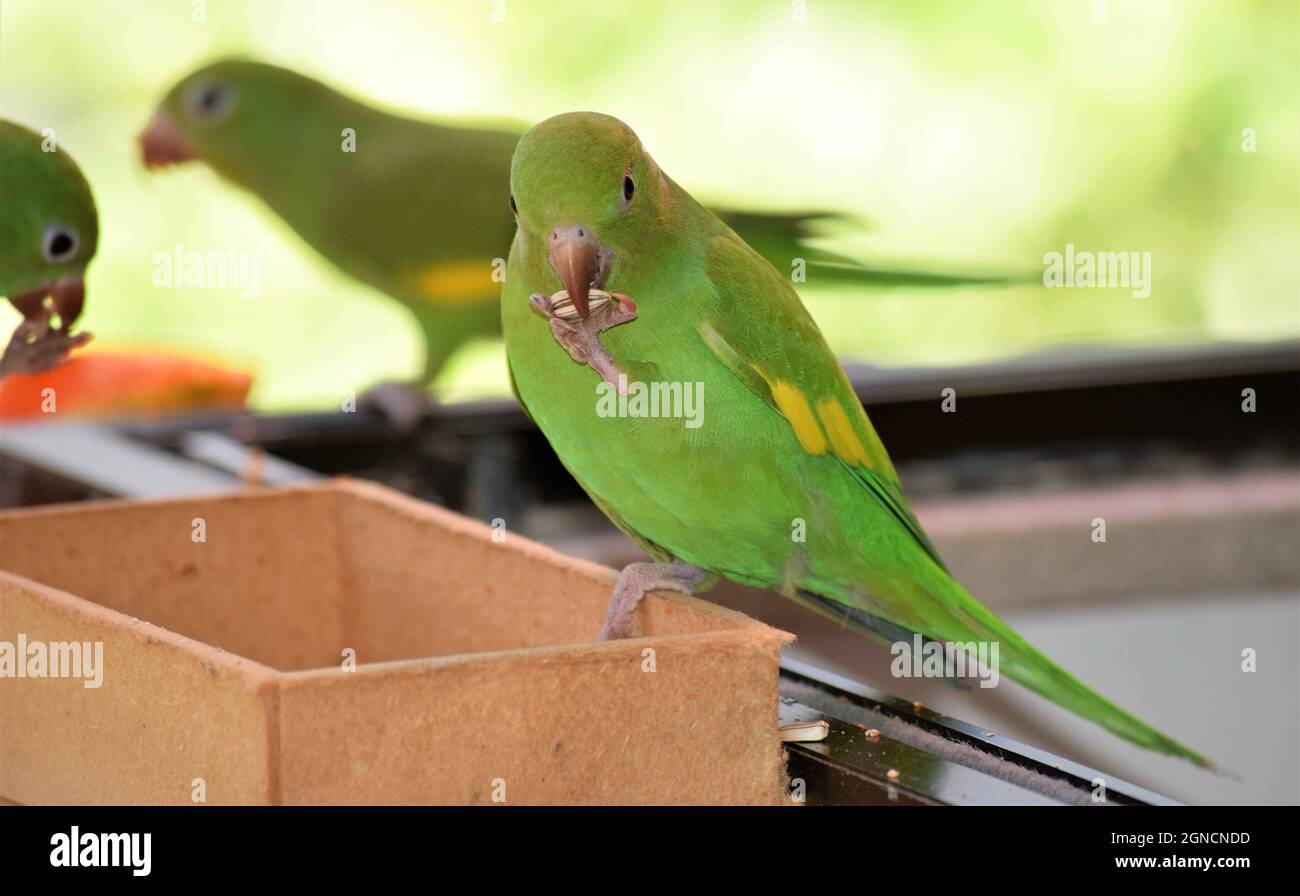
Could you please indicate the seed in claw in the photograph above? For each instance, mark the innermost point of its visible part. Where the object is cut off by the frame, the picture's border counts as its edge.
(562, 305)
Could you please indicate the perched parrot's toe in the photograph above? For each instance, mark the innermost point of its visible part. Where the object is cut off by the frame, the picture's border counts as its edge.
(638, 578)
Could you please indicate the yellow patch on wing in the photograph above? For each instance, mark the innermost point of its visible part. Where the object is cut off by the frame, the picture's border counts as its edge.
(796, 409)
(457, 282)
(845, 442)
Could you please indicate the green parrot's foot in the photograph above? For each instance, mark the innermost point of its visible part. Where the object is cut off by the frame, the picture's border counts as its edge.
(581, 338)
(36, 347)
(638, 578)
(403, 405)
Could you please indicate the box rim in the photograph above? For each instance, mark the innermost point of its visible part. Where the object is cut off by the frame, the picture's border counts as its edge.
(729, 621)
(141, 629)
(766, 636)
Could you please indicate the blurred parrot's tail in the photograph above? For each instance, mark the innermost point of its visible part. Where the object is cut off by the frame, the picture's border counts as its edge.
(965, 619)
(783, 237)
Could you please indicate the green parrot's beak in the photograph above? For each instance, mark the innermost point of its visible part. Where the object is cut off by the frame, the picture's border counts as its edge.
(31, 305)
(580, 261)
(162, 143)
(67, 297)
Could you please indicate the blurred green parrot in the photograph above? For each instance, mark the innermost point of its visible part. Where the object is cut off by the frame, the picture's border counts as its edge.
(49, 231)
(619, 285)
(413, 208)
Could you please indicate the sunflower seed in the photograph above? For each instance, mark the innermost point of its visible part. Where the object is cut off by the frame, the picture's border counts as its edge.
(563, 308)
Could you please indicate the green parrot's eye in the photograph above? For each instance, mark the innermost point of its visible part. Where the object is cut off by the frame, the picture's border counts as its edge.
(513, 208)
(210, 100)
(59, 244)
(629, 188)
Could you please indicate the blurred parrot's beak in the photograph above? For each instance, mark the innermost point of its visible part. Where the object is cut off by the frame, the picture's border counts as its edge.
(581, 262)
(162, 143)
(68, 295)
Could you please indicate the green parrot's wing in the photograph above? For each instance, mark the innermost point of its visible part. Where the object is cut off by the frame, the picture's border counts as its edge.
(793, 370)
(761, 332)
(784, 237)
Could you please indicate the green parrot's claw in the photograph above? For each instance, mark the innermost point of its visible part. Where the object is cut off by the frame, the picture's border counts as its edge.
(638, 578)
(541, 305)
(581, 338)
(36, 347)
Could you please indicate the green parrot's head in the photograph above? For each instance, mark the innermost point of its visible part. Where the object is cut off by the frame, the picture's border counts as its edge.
(585, 192)
(49, 228)
(233, 115)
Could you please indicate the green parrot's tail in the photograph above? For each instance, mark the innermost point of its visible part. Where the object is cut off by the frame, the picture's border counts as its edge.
(783, 237)
(1019, 660)
(1029, 666)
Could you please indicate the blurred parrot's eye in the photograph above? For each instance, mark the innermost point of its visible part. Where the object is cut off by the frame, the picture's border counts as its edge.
(513, 208)
(628, 188)
(210, 100)
(59, 245)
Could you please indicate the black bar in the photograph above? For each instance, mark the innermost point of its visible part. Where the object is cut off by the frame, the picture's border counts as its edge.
(786, 847)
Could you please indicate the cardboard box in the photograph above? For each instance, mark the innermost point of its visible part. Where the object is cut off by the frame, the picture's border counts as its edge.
(226, 624)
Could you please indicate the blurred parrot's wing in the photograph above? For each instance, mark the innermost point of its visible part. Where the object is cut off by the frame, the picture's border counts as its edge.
(785, 238)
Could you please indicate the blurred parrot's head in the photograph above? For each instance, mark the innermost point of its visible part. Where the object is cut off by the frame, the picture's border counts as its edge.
(239, 117)
(585, 192)
(49, 228)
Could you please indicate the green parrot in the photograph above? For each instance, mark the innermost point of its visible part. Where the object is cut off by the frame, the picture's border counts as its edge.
(416, 210)
(49, 230)
(618, 282)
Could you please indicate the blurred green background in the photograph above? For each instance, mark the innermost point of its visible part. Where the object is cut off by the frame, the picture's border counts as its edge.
(976, 134)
